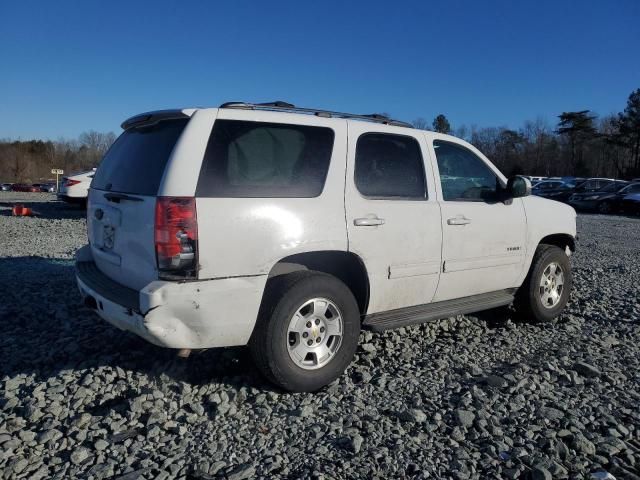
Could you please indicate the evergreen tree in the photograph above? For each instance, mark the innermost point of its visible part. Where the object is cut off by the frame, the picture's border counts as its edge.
(629, 127)
(579, 128)
(441, 124)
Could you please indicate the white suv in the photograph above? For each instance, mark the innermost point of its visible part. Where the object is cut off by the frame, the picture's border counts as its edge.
(289, 229)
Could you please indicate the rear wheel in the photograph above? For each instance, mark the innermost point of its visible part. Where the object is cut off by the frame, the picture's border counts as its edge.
(307, 330)
(546, 290)
(604, 207)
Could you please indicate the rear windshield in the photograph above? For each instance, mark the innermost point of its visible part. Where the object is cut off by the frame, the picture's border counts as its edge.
(257, 159)
(135, 162)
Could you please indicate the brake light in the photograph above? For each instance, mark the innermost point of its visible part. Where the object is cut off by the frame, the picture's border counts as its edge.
(176, 237)
(70, 183)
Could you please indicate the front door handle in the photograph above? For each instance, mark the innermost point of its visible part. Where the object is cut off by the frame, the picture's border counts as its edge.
(368, 221)
(459, 220)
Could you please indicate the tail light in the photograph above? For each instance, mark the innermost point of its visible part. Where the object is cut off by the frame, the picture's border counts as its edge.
(176, 237)
(70, 183)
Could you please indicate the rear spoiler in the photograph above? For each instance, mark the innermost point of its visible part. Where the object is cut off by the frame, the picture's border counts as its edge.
(151, 118)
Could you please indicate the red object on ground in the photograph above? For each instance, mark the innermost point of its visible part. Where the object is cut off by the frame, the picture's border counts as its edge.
(21, 211)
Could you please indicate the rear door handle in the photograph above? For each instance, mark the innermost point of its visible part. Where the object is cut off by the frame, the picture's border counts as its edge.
(459, 220)
(369, 221)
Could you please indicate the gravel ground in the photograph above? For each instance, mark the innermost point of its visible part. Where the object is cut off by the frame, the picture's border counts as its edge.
(470, 397)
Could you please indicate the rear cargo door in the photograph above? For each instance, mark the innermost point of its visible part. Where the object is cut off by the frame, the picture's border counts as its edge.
(122, 198)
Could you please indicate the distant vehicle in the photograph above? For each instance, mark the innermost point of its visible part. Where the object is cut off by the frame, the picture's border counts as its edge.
(605, 200)
(593, 184)
(554, 190)
(537, 179)
(574, 180)
(75, 188)
(6, 187)
(533, 179)
(47, 187)
(25, 187)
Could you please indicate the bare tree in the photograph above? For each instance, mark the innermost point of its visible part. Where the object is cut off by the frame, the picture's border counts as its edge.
(420, 123)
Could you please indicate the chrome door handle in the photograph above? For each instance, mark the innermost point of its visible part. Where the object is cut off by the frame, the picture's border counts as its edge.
(370, 221)
(460, 220)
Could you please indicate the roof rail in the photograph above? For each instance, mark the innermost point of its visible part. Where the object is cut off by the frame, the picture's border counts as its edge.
(280, 106)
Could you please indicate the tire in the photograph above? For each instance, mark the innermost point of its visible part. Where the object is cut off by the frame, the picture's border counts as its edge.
(530, 299)
(273, 339)
(605, 208)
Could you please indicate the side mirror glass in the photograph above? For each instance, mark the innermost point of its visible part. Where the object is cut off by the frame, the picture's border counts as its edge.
(518, 187)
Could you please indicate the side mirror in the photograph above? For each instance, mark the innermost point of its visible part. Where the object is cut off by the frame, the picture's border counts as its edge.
(518, 187)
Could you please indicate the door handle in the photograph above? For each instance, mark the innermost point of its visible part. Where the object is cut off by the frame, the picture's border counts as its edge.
(459, 220)
(369, 221)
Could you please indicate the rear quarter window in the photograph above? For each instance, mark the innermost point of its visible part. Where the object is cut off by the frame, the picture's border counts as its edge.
(136, 161)
(265, 160)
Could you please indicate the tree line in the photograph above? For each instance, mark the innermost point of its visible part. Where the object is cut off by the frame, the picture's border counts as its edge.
(579, 144)
(31, 161)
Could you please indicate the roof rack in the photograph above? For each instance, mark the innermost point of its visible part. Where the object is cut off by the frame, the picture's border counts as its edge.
(280, 106)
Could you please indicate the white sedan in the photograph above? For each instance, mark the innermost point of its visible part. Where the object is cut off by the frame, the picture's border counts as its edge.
(75, 188)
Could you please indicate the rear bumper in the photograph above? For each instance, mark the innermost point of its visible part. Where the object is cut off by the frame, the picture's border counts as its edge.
(66, 198)
(201, 314)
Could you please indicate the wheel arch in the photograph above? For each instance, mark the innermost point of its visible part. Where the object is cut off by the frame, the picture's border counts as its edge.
(561, 240)
(346, 266)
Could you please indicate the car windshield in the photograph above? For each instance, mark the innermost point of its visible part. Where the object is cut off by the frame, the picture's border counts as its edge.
(635, 188)
(612, 187)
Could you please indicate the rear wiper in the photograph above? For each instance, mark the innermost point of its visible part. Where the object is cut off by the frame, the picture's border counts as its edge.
(116, 197)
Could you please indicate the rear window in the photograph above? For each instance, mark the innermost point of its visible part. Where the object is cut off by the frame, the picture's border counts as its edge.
(265, 160)
(135, 162)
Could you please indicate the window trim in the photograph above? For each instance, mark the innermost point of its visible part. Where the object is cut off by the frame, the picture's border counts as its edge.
(489, 167)
(394, 198)
(201, 194)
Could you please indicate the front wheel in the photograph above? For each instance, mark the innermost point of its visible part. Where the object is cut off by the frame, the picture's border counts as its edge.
(546, 290)
(307, 330)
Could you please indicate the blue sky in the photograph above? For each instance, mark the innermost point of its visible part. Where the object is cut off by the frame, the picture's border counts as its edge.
(71, 66)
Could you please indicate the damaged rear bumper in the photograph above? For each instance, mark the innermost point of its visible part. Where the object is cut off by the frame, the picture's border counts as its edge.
(195, 314)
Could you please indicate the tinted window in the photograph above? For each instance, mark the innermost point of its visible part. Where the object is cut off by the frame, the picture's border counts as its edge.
(135, 162)
(254, 159)
(389, 166)
(631, 189)
(612, 187)
(592, 185)
(463, 175)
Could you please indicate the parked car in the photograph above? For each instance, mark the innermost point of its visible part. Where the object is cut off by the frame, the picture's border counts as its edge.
(290, 229)
(575, 181)
(47, 187)
(602, 200)
(25, 187)
(6, 187)
(558, 190)
(74, 188)
(593, 185)
(537, 179)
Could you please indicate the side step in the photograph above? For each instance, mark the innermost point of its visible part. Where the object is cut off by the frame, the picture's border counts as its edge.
(403, 317)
